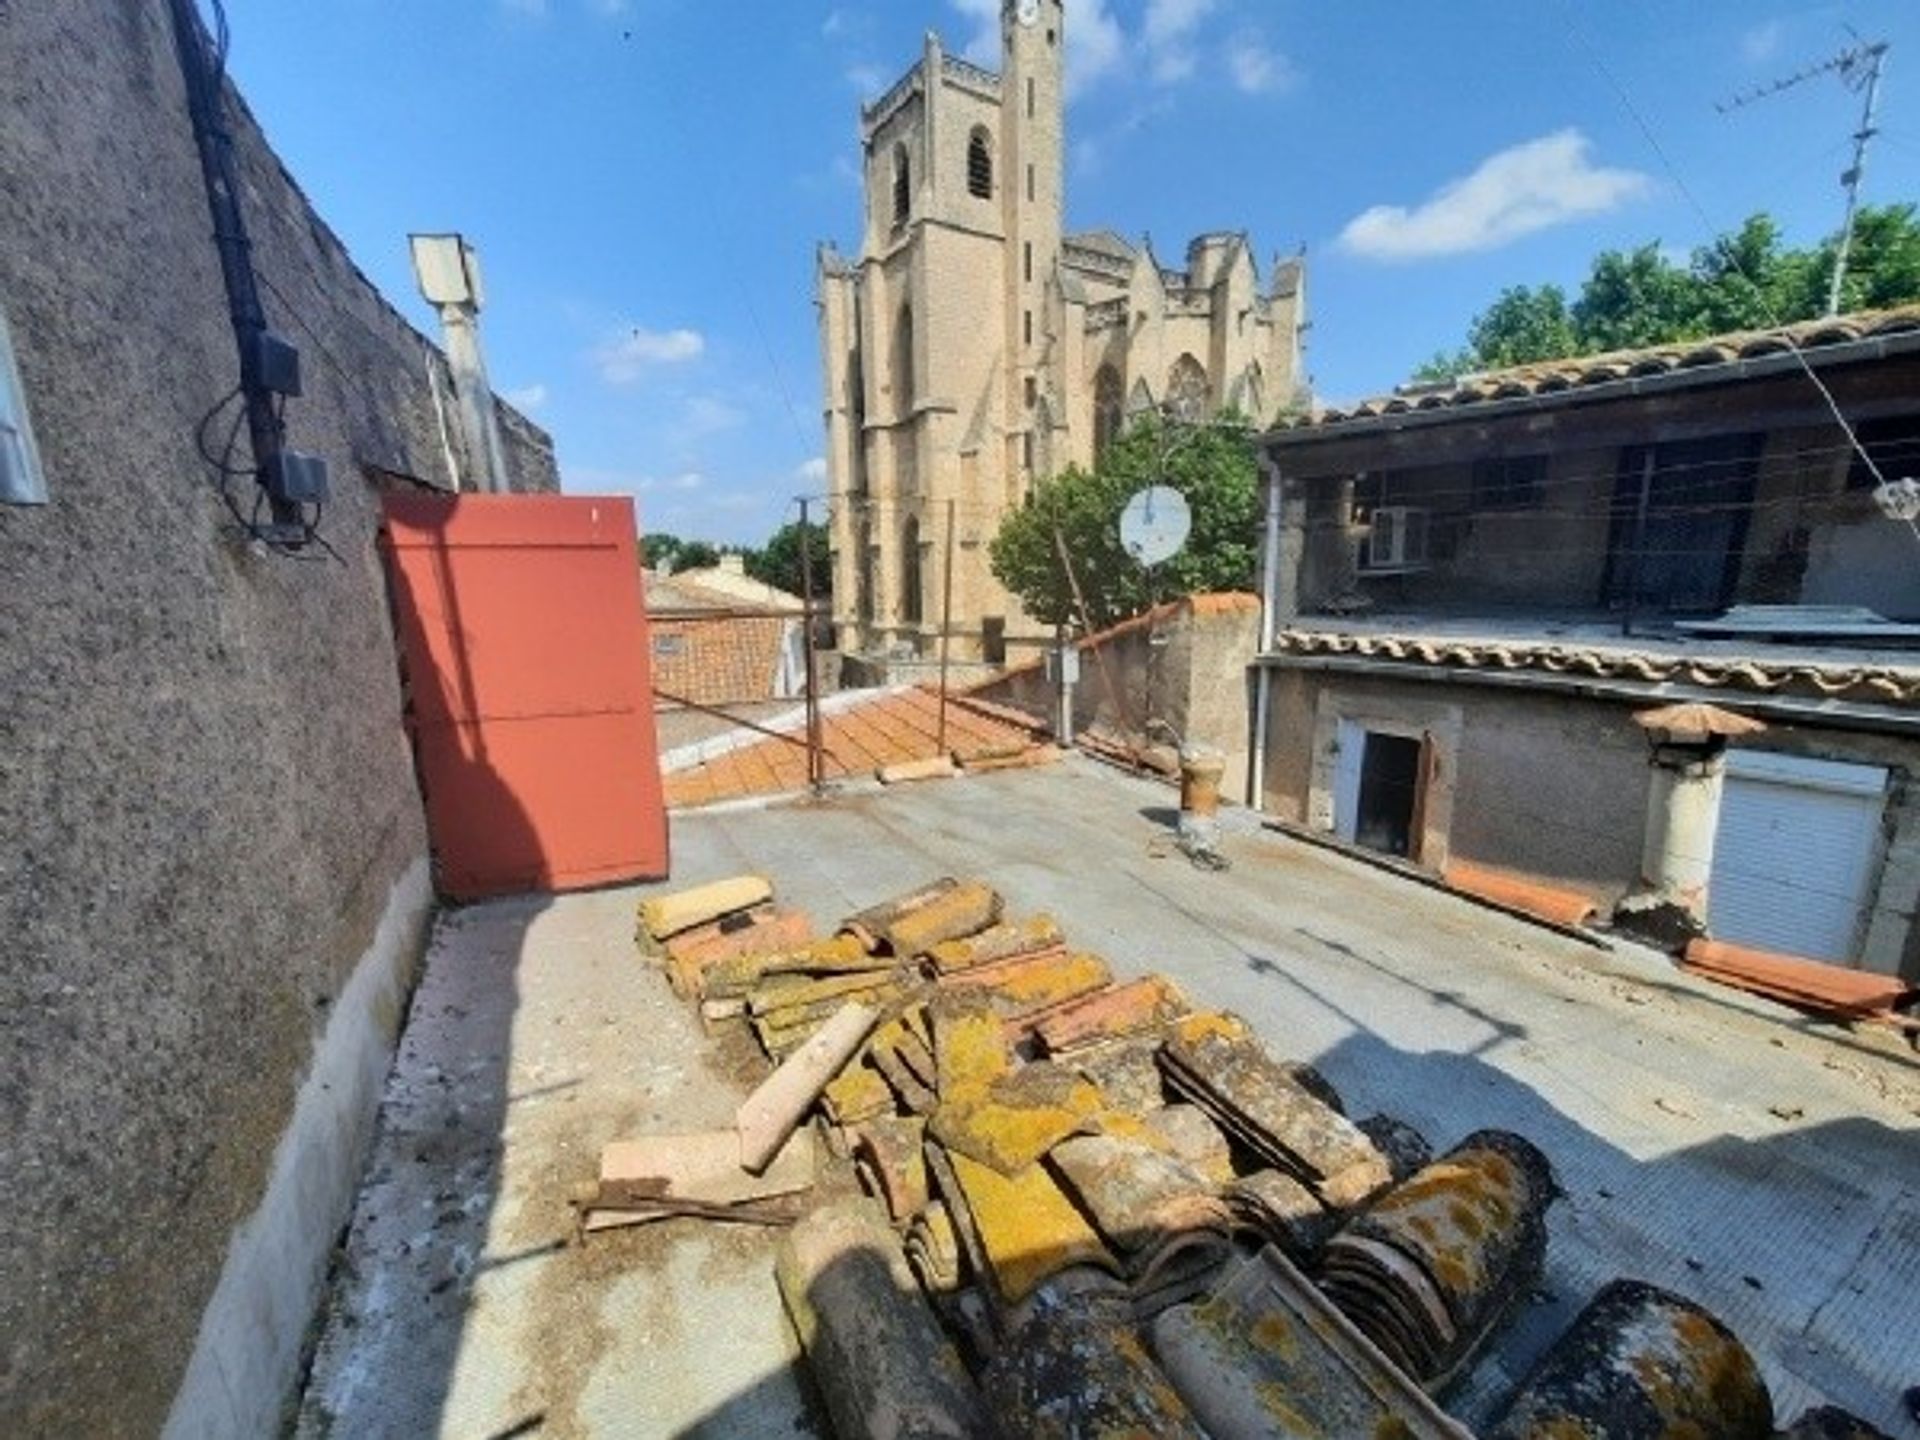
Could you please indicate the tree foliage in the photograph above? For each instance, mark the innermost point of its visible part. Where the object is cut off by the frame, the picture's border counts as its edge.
(777, 563)
(1211, 465)
(673, 553)
(1748, 279)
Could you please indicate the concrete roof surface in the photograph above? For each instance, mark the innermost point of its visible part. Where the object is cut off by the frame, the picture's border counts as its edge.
(1707, 1141)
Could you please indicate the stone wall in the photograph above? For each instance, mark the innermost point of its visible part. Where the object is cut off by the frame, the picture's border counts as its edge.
(214, 882)
(1554, 785)
(1183, 664)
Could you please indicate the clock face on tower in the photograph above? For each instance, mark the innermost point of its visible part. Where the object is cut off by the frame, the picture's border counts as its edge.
(1027, 11)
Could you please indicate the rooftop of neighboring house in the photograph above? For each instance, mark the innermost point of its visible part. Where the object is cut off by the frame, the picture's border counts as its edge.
(1713, 360)
(1591, 645)
(716, 587)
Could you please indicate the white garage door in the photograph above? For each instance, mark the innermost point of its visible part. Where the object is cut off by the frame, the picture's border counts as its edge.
(1794, 862)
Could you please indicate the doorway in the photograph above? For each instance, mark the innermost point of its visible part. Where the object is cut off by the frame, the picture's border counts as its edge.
(1378, 790)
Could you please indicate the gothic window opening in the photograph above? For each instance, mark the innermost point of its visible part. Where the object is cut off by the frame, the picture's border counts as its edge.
(1188, 393)
(863, 574)
(902, 185)
(980, 165)
(903, 362)
(1109, 409)
(911, 609)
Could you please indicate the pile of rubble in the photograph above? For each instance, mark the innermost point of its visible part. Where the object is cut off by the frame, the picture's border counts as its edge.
(1091, 1209)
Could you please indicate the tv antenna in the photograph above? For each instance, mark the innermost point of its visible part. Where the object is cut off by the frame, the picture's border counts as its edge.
(1859, 68)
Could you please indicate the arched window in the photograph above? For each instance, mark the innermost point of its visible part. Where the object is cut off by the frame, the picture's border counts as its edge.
(980, 164)
(1188, 394)
(903, 362)
(902, 185)
(1109, 409)
(910, 602)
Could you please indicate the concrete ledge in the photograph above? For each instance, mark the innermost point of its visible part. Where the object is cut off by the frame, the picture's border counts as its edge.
(246, 1359)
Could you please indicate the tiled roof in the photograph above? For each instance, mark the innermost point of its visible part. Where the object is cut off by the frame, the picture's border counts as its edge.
(1104, 241)
(861, 734)
(1585, 372)
(1899, 684)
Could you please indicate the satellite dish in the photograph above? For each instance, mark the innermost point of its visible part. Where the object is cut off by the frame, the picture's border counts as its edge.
(1155, 524)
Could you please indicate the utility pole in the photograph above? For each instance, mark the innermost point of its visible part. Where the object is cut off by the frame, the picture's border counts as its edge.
(815, 770)
(1859, 68)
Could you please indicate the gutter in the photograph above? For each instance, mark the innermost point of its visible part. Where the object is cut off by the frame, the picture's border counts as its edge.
(1833, 714)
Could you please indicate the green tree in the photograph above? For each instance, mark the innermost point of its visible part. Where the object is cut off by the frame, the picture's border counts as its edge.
(1633, 298)
(1211, 465)
(777, 563)
(677, 554)
(1745, 280)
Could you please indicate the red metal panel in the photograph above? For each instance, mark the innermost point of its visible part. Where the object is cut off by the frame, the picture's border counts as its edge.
(524, 635)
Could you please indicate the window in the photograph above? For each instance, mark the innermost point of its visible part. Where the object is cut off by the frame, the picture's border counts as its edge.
(863, 575)
(1508, 482)
(1029, 98)
(669, 647)
(1029, 182)
(903, 362)
(1188, 393)
(980, 165)
(21, 479)
(1026, 452)
(1033, 391)
(902, 185)
(1027, 260)
(1028, 326)
(911, 608)
(1895, 447)
(1109, 409)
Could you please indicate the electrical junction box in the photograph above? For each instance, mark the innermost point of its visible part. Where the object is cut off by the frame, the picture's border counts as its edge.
(296, 478)
(277, 363)
(1063, 666)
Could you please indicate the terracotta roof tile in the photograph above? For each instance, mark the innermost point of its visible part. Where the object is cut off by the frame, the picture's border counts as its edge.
(885, 728)
(1548, 377)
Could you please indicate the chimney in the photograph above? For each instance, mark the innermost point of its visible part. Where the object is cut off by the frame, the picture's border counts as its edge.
(733, 563)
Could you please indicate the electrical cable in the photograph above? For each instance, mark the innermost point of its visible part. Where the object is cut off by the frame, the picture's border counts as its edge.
(1673, 172)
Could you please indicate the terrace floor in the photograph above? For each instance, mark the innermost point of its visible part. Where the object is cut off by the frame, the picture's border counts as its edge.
(1715, 1144)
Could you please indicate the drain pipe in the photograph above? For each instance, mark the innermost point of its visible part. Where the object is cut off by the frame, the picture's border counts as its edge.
(1269, 602)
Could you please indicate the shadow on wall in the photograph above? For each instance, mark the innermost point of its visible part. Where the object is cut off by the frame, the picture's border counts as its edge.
(449, 1128)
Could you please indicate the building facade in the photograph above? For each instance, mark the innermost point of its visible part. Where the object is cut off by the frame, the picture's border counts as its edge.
(217, 879)
(1482, 584)
(975, 346)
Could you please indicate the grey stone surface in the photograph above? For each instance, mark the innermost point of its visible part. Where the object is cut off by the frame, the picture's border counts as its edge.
(205, 790)
(1712, 1143)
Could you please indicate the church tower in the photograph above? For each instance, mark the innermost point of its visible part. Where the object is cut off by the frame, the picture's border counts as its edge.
(1033, 201)
(974, 348)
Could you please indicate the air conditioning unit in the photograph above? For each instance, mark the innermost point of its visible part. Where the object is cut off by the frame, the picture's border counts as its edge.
(1396, 541)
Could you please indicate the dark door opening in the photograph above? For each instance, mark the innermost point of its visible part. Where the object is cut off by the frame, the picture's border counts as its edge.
(1389, 793)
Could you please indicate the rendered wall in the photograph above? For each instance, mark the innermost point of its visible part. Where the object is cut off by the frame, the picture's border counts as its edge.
(214, 880)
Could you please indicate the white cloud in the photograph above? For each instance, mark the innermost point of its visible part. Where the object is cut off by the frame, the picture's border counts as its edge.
(1167, 35)
(589, 479)
(528, 398)
(625, 359)
(867, 80)
(1762, 43)
(812, 472)
(1256, 67)
(1529, 187)
(706, 415)
(1095, 41)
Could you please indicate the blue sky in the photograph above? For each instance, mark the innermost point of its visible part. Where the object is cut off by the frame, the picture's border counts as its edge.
(646, 180)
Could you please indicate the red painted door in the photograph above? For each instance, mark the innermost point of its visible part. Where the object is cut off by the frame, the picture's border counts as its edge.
(523, 637)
